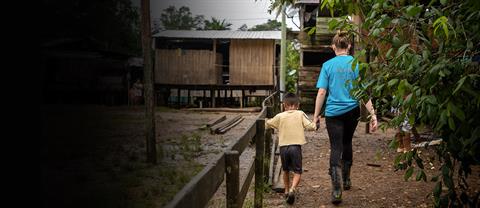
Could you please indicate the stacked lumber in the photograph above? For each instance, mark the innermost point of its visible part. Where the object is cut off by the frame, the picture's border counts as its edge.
(221, 128)
(213, 122)
(216, 121)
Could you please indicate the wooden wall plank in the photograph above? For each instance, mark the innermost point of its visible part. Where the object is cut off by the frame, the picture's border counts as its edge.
(251, 62)
(187, 67)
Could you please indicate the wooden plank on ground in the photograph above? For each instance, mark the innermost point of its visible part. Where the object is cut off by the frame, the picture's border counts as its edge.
(214, 129)
(216, 120)
(226, 128)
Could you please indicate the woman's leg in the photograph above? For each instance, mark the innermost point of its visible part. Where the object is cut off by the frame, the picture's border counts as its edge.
(335, 129)
(351, 122)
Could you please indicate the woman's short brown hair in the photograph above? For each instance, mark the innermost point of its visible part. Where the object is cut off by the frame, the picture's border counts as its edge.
(341, 40)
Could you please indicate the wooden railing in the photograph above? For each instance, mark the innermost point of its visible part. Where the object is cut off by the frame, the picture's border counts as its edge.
(201, 188)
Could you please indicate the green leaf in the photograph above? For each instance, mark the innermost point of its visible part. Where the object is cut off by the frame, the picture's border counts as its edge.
(409, 155)
(408, 99)
(376, 32)
(413, 10)
(399, 157)
(389, 53)
(443, 2)
(443, 23)
(392, 82)
(332, 24)
(441, 73)
(451, 123)
(402, 49)
(393, 145)
(312, 31)
(396, 42)
(457, 111)
(408, 174)
(425, 54)
(421, 175)
(448, 182)
(460, 84)
(438, 189)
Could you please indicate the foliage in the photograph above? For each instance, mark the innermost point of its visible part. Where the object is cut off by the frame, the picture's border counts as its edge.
(216, 24)
(424, 59)
(244, 27)
(276, 5)
(293, 63)
(112, 24)
(181, 19)
(269, 25)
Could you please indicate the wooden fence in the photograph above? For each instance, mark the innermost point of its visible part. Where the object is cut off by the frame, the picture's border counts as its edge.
(199, 191)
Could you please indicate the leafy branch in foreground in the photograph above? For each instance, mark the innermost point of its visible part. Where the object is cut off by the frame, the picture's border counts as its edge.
(424, 59)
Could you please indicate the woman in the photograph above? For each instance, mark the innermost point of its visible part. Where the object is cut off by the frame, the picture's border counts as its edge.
(341, 112)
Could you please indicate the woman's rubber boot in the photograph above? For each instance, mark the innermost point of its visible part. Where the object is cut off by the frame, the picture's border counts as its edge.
(347, 183)
(336, 186)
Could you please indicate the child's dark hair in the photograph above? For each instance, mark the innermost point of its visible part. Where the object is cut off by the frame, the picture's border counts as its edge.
(290, 99)
(341, 40)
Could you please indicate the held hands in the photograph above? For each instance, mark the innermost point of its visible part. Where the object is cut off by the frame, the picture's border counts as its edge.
(316, 121)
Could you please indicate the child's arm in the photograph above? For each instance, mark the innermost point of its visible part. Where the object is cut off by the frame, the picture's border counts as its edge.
(307, 124)
(273, 122)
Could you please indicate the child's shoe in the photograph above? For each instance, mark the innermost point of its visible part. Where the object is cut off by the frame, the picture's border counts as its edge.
(290, 197)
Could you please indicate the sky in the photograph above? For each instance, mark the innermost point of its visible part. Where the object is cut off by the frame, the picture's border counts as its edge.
(237, 12)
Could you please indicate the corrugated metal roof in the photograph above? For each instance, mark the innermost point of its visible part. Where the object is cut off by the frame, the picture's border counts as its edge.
(220, 34)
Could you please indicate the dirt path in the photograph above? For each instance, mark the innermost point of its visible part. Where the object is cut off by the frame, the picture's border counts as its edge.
(371, 186)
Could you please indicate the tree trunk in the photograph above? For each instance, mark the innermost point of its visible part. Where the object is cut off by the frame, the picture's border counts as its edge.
(148, 83)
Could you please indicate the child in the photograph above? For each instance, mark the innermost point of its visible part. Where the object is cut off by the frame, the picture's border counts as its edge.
(403, 133)
(291, 124)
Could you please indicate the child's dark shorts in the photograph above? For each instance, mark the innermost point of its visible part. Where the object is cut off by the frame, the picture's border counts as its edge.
(291, 156)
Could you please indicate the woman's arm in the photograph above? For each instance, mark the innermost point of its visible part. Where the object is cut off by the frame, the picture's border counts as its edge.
(319, 103)
(373, 116)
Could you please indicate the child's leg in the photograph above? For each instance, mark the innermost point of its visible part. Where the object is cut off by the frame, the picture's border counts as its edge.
(286, 180)
(399, 138)
(406, 141)
(296, 180)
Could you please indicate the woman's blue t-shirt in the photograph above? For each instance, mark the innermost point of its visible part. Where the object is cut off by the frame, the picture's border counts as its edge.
(336, 77)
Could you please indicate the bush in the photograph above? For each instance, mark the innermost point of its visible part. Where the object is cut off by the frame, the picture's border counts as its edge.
(424, 57)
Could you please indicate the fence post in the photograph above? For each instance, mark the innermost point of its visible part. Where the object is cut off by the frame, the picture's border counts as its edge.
(232, 178)
(259, 154)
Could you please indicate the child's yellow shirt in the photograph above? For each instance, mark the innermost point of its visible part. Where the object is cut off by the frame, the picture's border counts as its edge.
(291, 125)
